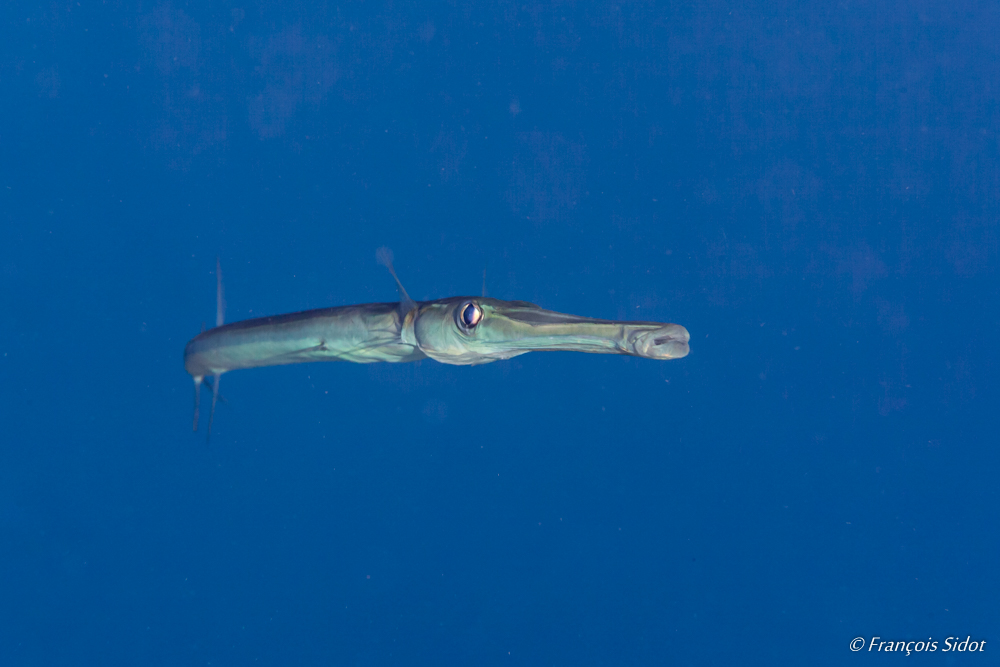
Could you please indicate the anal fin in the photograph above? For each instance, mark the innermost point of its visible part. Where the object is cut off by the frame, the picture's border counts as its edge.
(215, 398)
(197, 400)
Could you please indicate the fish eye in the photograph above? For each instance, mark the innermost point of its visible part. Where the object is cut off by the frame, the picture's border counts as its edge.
(471, 315)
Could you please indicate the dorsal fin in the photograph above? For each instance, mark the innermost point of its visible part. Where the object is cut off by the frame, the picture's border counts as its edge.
(384, 257)
(220, 297)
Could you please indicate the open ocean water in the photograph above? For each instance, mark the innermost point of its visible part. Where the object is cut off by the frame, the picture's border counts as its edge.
(812, 189)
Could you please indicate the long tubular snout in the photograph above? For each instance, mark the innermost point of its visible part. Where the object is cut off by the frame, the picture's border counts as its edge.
(537, 329)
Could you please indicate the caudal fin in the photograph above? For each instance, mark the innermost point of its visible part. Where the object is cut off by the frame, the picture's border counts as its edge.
(220, 319)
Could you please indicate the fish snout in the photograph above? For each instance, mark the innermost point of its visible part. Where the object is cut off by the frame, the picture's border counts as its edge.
(668, 342)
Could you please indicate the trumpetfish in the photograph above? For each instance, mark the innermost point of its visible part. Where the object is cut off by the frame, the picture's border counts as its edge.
(459, 330)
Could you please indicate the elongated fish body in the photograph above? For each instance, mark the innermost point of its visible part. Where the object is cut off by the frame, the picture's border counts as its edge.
(363, 333)
(372, 332)
(463, 331)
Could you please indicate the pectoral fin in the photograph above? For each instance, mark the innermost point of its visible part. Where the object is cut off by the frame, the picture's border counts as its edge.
(384, 257)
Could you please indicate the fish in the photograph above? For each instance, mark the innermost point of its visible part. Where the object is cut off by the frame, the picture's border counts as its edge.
(457, 330)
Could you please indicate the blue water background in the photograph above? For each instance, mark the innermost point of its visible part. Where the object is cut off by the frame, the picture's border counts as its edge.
(810, 188)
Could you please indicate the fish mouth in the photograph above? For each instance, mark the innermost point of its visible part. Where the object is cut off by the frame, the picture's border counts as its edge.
(670, 341)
